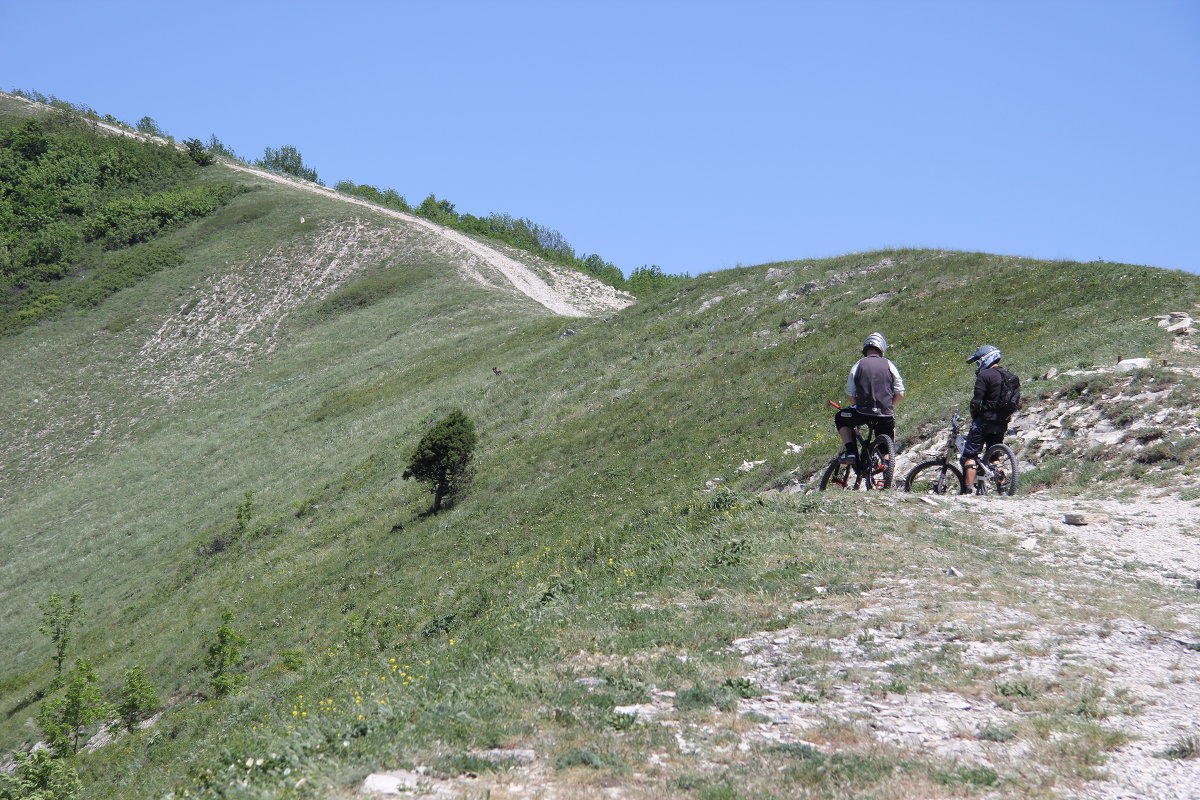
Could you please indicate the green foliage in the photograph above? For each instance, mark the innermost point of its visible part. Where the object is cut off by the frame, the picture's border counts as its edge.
(443, 458)
(442, 211)
(287, 159)
(218, 148)
(40, 776)
(138, 219)
(649, 279)
(70, 197)
(245, 513)
(139, 698)
(198, 152)
(148, 126)
(64, 717)
(388, 198)
(223, 656)
(58, 617)
(292, 660)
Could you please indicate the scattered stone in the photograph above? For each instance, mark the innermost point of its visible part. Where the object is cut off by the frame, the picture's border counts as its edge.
(1130, 364)
(1084, 519)
(590, 682)
(1050, 374)
(776, 274)
(711, 484)
(954, 573)
(641, 711)
(707, 304)
(391, 782)
(793, 449)
(1029, 544)
(566, 333)
(1181, 328)
(749, 309)
(879, 298)
(749, 465)
(520, 755)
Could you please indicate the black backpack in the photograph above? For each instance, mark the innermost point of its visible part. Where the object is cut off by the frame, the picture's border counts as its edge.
(1009, 399)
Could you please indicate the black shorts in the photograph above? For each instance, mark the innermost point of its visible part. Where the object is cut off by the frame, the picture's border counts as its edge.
(852, 418)
(982, 436)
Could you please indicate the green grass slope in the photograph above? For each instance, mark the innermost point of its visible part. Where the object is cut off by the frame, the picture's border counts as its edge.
(379, 636)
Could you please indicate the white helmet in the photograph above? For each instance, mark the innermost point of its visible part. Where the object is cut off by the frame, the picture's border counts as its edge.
(877, 341)
(986, 355)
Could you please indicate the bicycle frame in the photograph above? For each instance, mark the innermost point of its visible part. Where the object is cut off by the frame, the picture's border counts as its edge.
(865, 447)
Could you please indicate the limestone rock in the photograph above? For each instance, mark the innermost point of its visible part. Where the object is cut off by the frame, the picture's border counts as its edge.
(390, 783)
(1084, 519)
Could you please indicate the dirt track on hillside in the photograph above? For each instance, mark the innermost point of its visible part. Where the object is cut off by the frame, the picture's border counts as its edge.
(564, 298)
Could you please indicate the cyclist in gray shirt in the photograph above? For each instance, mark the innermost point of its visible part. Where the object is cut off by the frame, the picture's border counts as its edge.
(874, 388)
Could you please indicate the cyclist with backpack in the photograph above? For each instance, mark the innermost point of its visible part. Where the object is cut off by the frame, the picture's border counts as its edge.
(997, 396)
(874, 387)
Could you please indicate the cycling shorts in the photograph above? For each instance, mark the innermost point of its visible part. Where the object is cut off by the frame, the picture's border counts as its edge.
(983, 435)
(852, 418)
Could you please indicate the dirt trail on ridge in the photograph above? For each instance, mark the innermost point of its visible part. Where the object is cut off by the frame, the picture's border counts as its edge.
(572, 295)
(517, 274)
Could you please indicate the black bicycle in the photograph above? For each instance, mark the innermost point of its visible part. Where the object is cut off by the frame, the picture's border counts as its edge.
(995, 472)
(872, 469)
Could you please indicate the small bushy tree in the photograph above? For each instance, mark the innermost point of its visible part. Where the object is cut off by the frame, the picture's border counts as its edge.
(139, 698)
(442, 211)
(198, 152)
(58, 616)
(287, 159)
(648, 278)
(64, 718)
(217, 147)
(225, 655)
(443, 458)
(40, 776)
(148, 125)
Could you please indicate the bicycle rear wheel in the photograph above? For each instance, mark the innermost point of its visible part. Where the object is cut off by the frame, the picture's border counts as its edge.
(936, 476)
(838, 476)
(883, 462)
(1004, 461)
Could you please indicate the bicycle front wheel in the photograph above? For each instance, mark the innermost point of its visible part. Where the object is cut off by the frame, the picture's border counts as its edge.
(937, 476)
(838, 476)
(1003, 460)
(883, 462)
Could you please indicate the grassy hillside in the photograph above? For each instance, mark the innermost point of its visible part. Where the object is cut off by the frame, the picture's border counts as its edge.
(379, 636)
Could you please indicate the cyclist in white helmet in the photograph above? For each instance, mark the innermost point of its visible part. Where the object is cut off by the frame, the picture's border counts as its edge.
(874, 388)
(997, 395)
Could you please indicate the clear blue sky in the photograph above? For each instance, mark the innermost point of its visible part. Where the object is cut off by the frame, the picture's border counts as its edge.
(694, 135)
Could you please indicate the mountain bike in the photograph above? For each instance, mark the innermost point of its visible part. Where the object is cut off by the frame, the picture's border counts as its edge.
(872, 469)
(995, 471)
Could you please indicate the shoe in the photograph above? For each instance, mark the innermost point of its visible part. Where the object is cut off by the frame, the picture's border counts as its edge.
(848, 457)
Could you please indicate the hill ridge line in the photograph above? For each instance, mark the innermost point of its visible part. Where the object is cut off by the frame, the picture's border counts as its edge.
(521, 277)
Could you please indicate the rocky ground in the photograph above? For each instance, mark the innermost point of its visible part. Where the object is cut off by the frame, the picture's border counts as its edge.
(1077, 677)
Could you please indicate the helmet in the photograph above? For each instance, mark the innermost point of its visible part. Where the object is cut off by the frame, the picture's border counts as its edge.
(986, 355)
(877, 341)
